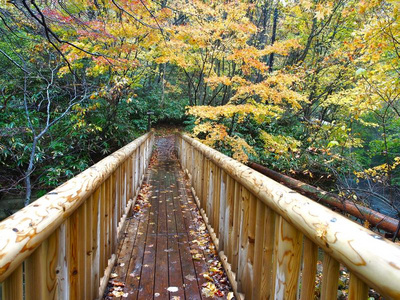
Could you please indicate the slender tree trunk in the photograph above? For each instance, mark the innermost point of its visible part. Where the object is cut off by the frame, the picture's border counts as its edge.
(162, 86)
(271, 56)
(31, 165)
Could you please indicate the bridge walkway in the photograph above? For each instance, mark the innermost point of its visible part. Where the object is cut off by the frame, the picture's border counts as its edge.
(166, 251)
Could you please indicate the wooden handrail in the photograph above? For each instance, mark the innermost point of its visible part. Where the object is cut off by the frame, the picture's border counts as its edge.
(268, 235)
(375, 218)
(67, 238)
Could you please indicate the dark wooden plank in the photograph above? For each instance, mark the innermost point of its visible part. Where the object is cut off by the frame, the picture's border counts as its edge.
(189, 274)
(174, 261)
(125, 252)
(146, 285)
(136, 262)
(166, 244)
(161, 280)
(195, 241)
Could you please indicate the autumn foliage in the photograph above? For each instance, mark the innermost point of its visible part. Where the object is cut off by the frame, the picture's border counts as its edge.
(310, 88)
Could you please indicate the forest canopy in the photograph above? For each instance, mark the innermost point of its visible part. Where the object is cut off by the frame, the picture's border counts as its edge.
(307, 88)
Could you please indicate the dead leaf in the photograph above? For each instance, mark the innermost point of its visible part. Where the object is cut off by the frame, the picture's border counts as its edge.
(172, 289)
(190, 277)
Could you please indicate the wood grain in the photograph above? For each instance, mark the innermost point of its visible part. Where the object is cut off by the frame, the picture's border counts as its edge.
(344, 240)
(330, 278)
(309, 271)
(358, 290)
(12, 287)
(287, 258)
(24, 231)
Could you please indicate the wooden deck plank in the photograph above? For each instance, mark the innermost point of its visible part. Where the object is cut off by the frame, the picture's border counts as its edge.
(147, 275)
(136, 262)
(161, 282)
(161, 241)
(196, 252)
(189, 274)
(174, 260)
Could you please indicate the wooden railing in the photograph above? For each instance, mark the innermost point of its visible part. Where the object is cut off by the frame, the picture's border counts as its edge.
(62, 246)
(270, 238)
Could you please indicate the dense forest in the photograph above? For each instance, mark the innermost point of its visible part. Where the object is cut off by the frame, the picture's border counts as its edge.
(309, 88)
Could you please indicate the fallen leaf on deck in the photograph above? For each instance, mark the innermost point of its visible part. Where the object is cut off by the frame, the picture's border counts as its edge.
(175, 298)
(117, 283)
(113, 275)
(190, 277)
(197, 257)
(156, 294)
(208, 277)
(209, 289)
(172, 289)
(119, 294)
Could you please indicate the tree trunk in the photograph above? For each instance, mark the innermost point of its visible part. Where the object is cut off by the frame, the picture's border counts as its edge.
(28, 184)
(271, 56)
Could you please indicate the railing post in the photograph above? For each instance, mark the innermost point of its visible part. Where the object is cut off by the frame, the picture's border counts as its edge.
(12, 287)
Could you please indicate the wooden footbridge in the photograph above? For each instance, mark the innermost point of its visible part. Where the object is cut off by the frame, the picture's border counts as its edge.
(97, 230)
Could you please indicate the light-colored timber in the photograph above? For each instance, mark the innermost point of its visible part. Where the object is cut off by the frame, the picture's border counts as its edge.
(288, 233)
(63, 245)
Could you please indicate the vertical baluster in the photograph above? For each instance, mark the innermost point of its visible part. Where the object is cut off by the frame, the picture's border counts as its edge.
(230, 190)
(81, 241)
(63, 266)
(268, 252)
(35, 274)
(73, 238)
(102, 243)
(358, 290)
(137, 180)
(88, 248)
(139, 158)
(118, 202)
(330, 278)
(236, 226)
(194, 170)
(243, 231)
(216, 199)
(287, 259)
(41, 270)
(203, 173)
(12, 287)
(310, 258)
(258, 249)
(130, 184)
(204, 194)
(210, 182)
(96, 241)
(109, 217)
(223, 213)
(193, 166)
(247, 238)
(115, 204)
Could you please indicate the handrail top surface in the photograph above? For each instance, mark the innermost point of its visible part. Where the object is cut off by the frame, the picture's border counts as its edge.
(25, 230)
(371, 257)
